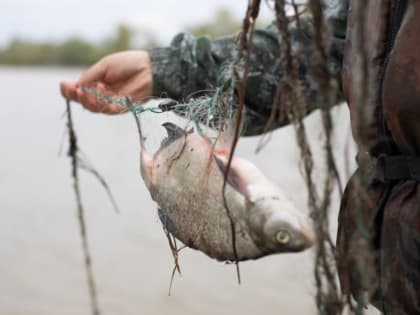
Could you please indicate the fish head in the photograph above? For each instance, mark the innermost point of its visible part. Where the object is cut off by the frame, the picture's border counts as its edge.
(277, 226)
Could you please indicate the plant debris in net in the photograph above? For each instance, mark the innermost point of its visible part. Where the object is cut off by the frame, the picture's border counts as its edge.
(225, 107)
(294, 107)
(290, 104)
(77, 162)
(213, 112)
(73, 154)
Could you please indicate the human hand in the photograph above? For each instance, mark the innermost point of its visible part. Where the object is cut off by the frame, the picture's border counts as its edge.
(127, 73)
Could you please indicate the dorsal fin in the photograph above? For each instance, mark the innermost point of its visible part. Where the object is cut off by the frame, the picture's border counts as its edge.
(174, 132)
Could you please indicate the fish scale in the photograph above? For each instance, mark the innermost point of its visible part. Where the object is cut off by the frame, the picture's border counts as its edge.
(207, 227)
(185, 178)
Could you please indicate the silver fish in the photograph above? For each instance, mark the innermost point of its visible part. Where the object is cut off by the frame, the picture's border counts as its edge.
(185, 178)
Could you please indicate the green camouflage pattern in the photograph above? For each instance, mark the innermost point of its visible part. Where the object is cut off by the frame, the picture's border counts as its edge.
(378, 242)
(192, 64)
(389, 276)
(400, 250)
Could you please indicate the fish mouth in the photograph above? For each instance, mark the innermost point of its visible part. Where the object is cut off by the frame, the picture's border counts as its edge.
(308, 234)
(308, 237)
(302, 242)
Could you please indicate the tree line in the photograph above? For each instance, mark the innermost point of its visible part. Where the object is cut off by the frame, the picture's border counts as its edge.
(77, 51)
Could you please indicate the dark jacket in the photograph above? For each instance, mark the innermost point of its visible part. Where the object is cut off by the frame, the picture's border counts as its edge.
(192, 64)
(376, 216)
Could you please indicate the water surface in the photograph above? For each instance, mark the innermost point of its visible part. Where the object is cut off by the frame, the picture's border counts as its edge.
(41, 267)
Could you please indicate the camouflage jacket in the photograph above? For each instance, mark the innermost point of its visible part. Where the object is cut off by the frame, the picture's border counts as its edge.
(191, 64)
(391, 213)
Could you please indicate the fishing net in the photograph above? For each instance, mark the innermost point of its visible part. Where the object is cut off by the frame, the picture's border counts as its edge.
(206, 113)
(211, 112)
(291, 104)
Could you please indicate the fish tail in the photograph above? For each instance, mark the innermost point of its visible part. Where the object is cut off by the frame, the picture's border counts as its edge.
(145, 159)
(138, 123)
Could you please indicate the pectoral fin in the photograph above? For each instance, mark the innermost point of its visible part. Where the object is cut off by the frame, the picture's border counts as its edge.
(146, 164)
(234, 177)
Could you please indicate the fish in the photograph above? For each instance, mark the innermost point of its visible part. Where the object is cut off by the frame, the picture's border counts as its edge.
(185, 177)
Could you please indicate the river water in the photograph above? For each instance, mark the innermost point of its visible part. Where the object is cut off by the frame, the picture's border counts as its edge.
(41, 270)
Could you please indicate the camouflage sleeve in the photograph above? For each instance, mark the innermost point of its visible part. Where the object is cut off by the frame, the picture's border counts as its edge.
(191, 64)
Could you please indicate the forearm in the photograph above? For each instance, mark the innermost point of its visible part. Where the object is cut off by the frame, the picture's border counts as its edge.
(186, 66)
(192, 64)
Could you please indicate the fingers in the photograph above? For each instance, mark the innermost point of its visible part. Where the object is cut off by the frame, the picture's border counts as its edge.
(91, 77)
(72, 92)
(94, 74)
(68, 90)
(96, 105)
(125, 73)
(138, 89)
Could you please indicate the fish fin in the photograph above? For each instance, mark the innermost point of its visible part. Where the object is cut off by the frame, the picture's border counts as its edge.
(146, 165)
(225, 137)
(167, 223)
(172, 245)
(233, 177)
(146, 161)
(174, 132)
(226, 134)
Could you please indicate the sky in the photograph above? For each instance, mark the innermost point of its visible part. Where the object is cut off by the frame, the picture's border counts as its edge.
(96, 19)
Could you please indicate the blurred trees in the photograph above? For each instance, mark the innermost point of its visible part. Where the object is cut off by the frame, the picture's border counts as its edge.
(76, 51)
(73, 51)
(222, 23)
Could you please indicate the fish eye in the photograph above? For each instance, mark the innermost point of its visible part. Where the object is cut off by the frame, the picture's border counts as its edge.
(283, 237)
